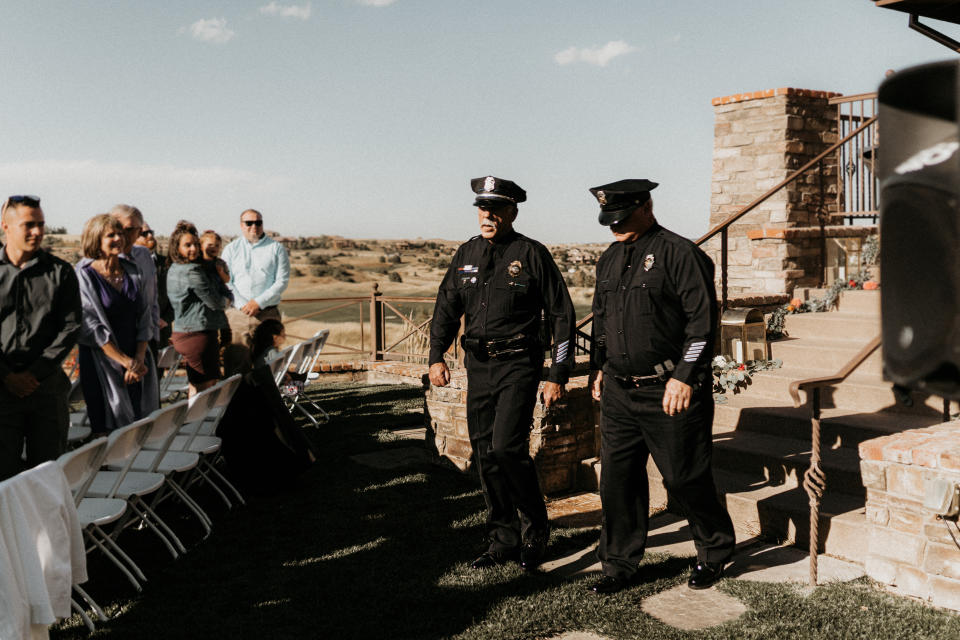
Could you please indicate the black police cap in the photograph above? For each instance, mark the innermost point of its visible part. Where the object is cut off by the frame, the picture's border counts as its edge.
(619, 199)
(496, 191)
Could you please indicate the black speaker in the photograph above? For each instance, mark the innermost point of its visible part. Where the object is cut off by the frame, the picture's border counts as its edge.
(919, 172)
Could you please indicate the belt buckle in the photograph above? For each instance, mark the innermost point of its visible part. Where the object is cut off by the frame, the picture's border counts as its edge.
(644, 381)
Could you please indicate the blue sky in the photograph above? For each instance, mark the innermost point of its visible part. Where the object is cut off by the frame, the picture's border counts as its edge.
(368, 118)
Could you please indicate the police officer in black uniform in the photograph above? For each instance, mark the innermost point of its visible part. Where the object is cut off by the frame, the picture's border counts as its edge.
(654, 322)
(503, 282)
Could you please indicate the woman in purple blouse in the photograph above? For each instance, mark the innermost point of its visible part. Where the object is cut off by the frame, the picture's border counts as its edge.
(117, 373)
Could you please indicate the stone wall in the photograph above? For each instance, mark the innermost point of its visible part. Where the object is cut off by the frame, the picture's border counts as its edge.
(908, 548)
(760, 138)
(559, 440)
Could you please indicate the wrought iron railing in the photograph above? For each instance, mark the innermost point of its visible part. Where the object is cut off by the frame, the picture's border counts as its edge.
(814, 479)
(377, 338)
(856, 178)
(385, 330)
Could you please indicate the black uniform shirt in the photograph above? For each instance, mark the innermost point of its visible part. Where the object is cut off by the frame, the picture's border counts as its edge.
(658, 305)
(499, 304)
(39, 314)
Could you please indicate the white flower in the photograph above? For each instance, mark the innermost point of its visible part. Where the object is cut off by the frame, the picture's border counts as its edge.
(719, 361)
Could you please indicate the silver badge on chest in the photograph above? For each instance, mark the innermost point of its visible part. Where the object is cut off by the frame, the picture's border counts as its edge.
(648, 262)
(515, 268)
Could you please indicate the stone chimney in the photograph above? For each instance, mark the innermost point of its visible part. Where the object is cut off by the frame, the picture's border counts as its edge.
(760, 138)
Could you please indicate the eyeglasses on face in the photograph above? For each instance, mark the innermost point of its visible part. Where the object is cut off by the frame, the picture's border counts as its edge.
(145, 233)
(253, 223)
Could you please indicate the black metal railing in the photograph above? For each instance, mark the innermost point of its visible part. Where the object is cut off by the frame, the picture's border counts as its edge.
(856, 175)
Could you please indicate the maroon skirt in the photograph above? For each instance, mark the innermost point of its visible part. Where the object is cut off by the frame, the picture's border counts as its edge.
(201, 354)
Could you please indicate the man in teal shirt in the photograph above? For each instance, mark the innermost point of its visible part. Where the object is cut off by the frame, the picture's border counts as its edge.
(259, 274)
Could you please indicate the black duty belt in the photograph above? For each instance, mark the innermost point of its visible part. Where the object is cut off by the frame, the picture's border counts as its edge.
(632, 382)
(499, 348)
(663, 373)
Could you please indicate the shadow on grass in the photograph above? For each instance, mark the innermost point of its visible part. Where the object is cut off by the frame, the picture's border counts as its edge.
(352, 551)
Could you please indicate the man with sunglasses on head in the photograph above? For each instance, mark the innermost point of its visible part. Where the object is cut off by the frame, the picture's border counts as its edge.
(39, 325)
(259, 273)
(502, 283)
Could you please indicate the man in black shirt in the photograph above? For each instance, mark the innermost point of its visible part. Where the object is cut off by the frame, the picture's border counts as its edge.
(502, 282)
(39, 324)
(654, 323)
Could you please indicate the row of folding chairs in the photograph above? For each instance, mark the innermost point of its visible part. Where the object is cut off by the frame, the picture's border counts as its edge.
(301, 358)
(118, 480)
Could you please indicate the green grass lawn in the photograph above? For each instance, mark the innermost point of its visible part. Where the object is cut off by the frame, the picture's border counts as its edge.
(352, 551)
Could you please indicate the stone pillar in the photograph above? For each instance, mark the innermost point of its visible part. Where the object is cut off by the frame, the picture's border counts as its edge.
(559, 440)
(907, 547)
(760, 138)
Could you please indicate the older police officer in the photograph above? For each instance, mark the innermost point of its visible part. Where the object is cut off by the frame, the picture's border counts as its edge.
(503, 282)
(654, 323)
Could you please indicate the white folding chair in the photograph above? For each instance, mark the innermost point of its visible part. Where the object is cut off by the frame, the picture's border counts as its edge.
(321, 339)
(215, 414)
(79, 467)
(281, 362)
(208, 446)
(294, 393)
(155, 457)
(200, 409)
(122, 448)
(172, 386)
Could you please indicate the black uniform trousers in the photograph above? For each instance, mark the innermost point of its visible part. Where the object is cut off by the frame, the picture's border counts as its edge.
(635, 427)
(501, 396)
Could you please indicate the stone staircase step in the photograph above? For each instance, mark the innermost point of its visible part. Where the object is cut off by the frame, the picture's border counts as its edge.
(834, 324)
(809, 293)
(838, 427)
(783, 461)
(862, 391)
(782, 513)
(827, 353)
(860, 301)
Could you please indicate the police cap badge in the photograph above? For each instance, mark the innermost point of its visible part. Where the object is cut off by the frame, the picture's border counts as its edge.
(491, 190)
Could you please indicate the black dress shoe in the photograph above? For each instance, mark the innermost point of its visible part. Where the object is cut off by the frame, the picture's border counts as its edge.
(609, 584)
(531, 554)
(705, 574)
(533, 550)
(492, 558)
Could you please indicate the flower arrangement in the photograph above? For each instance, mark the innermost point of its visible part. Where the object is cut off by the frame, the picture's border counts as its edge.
(870, 255)
(733, 376)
